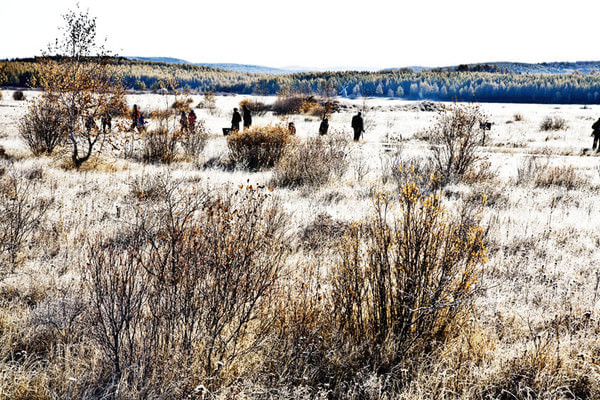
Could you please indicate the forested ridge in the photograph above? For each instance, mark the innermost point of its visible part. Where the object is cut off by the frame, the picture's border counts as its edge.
(485, 82)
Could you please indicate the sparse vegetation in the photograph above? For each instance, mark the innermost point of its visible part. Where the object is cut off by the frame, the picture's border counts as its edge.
(18, 95)
(258, 147)
(43, 127)
(553, 123)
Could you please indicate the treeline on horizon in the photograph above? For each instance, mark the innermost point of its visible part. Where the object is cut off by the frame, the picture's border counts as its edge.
(480, 83)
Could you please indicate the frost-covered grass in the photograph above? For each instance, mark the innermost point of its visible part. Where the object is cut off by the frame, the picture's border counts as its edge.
(534, 329)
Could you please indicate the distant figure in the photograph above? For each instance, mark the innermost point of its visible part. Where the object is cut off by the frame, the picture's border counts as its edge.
(90, 123)
(183, 121)
(357, 125)
(596, 135)
(135, 116)
(247, 116)
(292, 128)
(106, 121)
(141, 124)
(235, 120)
(324, 127)
(192, 120)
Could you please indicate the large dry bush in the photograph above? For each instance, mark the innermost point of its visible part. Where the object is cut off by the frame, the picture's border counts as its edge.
(313, 162)
(43, 127)
(257, 107)
(406, 276)
(258, 147)
(455, 141)
(188, 289)
(23, 209)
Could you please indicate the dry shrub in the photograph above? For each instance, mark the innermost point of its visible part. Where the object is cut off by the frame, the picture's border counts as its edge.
(288, 105)
(43, 127)
(538, 172)
(182, 104)
(257, 107)
(563, 176)
(209, 102)
(187, 292)
(23, 210)
(518, 117)
(18, 95)
(455, 141)
(258, 147)
(160, 145)
(405, 279)
(322, 232)
(553, 123)
(313, 162)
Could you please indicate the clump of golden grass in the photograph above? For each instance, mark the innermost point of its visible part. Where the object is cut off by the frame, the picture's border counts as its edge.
(258, 147)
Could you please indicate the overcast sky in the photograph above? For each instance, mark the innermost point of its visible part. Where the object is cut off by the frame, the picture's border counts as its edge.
(321, 33)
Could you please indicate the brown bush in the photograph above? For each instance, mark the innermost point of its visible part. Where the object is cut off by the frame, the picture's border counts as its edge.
(455, 141)
(160, 145)
(405, 279)
(43, 127)
(563, 176)
(313, 162)
(189, 287)
(18, 95)
(257, 107)
(258, 147)
(553, 123)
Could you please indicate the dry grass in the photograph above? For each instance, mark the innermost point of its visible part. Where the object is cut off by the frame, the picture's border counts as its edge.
(527, 327)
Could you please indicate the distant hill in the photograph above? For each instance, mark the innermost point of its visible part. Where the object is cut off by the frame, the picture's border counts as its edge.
(549, 68)
(169, 60)
(255, 69)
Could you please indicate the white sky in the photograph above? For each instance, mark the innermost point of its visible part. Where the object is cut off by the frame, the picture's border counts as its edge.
(320, 33)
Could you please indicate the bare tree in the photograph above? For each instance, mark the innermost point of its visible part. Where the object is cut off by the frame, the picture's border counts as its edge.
(80, 82)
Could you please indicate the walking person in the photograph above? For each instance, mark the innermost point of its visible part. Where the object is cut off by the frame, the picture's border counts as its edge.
(291, 128)
(596, 135)
(192, 121)
(235, 120)
(247, 116)
(183, 121)
(135, 116)
(324, 127)
(106, 121)
(358, 126)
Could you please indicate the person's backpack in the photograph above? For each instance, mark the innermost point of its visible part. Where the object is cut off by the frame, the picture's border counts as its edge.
(596, 125)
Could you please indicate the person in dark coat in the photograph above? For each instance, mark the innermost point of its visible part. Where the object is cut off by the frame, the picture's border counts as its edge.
(135, 116)
(106, 121)
(324, 127)
(357, 125)
(292, 128)
(596, 135)
(247, 116)
(183, 120)
(235, 120)
(192, 121)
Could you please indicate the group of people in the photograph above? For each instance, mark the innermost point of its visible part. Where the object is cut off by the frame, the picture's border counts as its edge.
(357, 123)
(188, 122)
(246, 116)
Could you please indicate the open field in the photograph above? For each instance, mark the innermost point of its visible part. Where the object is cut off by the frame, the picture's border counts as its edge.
(532, 331)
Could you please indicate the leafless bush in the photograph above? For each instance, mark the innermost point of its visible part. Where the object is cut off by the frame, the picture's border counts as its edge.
(209, 102)
(553, 123)
(22, 210)
(563, 176)
(257, 107)
(18, 95)
(312, 163)
(323, 231)
(404, 281)
(190, 285)
(160, 145)
(258, 147)
(43, 127)
(194, 139)
(518, 117)
(455, 141)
